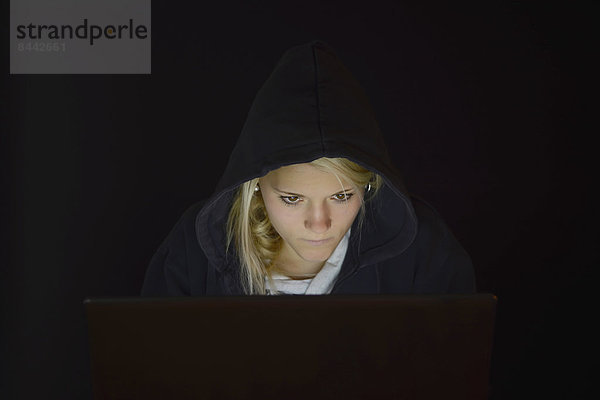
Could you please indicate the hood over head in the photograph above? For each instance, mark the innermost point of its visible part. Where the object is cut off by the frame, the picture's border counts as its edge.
(311, 107)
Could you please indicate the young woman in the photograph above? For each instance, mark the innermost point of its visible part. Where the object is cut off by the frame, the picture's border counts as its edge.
(309, 203)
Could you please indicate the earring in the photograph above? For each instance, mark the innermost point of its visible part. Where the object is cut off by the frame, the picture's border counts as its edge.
(256, 188)
(368, 187)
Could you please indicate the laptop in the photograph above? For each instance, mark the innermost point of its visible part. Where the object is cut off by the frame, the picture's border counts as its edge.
(292, 347)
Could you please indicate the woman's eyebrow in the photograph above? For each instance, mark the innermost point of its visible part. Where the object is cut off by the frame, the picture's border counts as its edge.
(301, 195)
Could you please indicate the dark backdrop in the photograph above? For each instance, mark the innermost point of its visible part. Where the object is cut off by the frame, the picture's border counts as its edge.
(482, 108)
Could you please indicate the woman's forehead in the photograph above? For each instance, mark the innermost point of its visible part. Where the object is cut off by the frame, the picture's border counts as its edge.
(304, 175)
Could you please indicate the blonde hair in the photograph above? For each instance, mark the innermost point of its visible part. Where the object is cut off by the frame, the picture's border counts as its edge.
(256, 240)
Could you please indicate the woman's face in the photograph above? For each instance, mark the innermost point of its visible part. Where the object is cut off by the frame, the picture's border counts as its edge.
(310, 211)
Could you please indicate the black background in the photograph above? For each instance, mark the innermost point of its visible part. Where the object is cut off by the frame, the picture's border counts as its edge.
(484, 110)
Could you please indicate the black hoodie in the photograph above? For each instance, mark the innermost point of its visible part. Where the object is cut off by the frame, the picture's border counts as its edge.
(310, 107)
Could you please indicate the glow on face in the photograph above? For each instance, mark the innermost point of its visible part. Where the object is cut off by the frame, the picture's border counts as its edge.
(310, 211)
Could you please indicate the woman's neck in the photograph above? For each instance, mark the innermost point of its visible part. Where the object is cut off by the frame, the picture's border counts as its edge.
(295, 270)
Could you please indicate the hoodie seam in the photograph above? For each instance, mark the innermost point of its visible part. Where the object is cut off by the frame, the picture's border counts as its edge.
(316, 65)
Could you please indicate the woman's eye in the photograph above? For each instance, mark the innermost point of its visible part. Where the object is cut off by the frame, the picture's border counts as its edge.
(343, 196)
(290, 199)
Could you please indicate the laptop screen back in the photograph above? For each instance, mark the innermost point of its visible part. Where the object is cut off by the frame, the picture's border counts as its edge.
(292, 347)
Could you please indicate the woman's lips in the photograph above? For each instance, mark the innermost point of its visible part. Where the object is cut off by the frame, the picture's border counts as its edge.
(318, 242)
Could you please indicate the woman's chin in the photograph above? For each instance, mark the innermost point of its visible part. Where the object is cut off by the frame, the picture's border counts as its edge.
(316, 256)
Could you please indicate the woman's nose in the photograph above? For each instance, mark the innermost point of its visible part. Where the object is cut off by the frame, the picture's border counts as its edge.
(318, 219)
